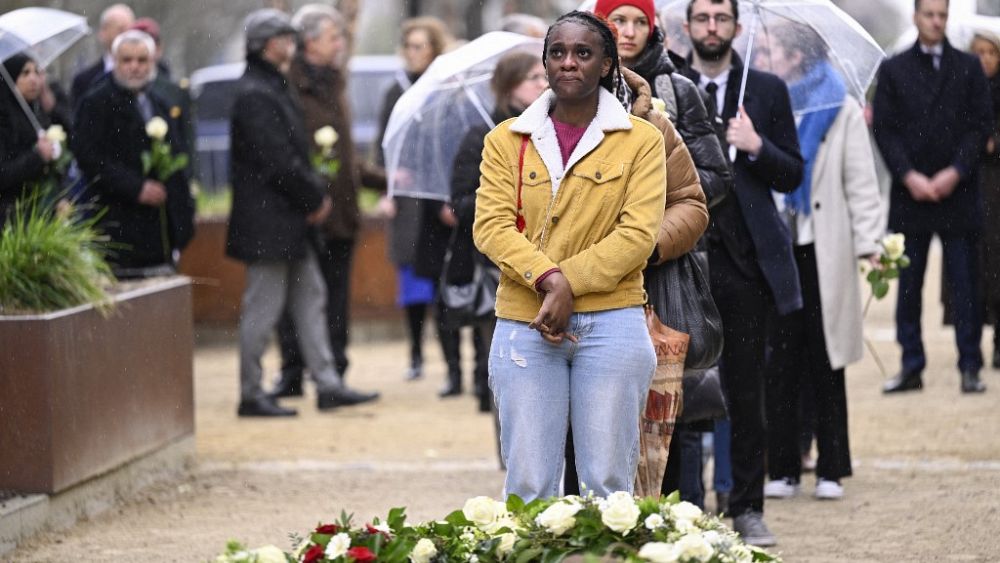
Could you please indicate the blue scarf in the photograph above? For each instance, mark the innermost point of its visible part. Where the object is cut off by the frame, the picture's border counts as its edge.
(817, 97)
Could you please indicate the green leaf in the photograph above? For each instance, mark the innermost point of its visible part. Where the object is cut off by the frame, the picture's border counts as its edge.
(147, 163)
(396, 519)
(673, 498)
(880, 289)
(515, 504)
(891, 274)
(529, 555)
(874, 275)
(457, 518)
(904, 261)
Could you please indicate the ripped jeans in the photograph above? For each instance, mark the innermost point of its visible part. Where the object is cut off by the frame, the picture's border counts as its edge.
(599, 383)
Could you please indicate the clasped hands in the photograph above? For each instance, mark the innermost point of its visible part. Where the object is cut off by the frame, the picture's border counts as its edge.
(557, 307)
(933, 189)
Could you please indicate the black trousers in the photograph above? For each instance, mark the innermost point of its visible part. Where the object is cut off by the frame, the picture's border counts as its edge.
(747, 310)
(798, 356)
(335, 262)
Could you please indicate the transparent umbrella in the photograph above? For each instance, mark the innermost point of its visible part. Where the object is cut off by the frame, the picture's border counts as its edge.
(43, 33)
(431, 117)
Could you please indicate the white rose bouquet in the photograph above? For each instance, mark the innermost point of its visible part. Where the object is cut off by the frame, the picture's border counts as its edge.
(325, 161)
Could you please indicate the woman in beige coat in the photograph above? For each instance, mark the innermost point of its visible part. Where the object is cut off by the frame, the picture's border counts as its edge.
(835, 217)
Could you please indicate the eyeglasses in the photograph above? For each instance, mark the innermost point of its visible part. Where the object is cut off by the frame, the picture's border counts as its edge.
(720, 19)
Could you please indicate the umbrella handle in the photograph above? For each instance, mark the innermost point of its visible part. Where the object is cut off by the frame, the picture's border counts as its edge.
(754, 14)
(20, 99)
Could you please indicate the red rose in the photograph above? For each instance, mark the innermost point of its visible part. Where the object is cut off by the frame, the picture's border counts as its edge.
(315, 553)
(330, 529)
(372, 530)
(361, 554)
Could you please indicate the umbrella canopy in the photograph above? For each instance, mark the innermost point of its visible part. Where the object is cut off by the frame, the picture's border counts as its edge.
(431, 117)
(833, 42)
(44, 33)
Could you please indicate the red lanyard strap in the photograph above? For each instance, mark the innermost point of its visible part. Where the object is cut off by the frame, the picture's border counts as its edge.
(520, 168)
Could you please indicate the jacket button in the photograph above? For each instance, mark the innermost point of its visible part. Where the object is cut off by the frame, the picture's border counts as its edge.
(527, 275)
(598, 175)
(532, 176)
(555, 220)
(816, 206)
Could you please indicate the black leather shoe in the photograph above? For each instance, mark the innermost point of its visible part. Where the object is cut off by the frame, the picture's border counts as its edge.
(450, 390)
(264, 406)
(343, 397)
(288, 385)
(971, 382)
(904, 381)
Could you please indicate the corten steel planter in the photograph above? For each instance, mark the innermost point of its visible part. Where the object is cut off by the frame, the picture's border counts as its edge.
(219, 280)
(81, 394)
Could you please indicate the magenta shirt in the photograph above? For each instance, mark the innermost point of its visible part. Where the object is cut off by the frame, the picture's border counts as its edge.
(568, 136)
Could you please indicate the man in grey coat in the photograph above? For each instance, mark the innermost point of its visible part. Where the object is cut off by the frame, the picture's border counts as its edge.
(278, 200)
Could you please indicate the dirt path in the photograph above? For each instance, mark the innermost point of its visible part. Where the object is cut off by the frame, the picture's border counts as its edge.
(926, 481)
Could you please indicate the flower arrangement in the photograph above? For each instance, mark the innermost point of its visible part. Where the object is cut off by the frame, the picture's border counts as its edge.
(619, 527)
(324, 161)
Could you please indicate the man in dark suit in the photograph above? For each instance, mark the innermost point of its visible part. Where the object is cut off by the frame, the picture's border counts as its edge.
(278, 201)
(931, 119)
(149, 218)
(750, 248)
(115, 20)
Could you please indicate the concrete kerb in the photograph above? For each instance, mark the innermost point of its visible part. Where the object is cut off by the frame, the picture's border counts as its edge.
(24, 516)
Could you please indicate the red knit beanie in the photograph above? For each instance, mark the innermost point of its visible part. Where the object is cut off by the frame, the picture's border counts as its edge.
(605, 7)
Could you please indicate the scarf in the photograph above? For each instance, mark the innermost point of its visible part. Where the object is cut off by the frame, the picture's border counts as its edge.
(817, 97)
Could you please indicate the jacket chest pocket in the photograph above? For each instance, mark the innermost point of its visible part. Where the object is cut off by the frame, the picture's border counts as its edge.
(536, 187)
(600, 179)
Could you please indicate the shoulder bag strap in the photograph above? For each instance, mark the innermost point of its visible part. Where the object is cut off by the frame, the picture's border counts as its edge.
(520, 170)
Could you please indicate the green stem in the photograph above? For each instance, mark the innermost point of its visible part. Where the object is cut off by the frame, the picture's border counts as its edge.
(868, 343)
(164, 235)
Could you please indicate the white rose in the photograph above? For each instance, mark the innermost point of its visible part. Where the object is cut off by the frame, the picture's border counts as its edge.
(157, 128)
(56, 134)
(559, 517)
(506, 543)
(653, 521)
(894, 245)
(468, 535)
(384, 528)
(712, 537)
(338, 546)
(269, 554)
(326, 137)
(686, 511)
(619, 512)
(483, 511)
(505, 521)
(694, 546)
(659, 105)
(423, 552)
(658, 552)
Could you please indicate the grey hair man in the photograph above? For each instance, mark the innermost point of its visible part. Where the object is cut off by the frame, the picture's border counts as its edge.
(151, 219)
(319, 76)
(278, 203)
(115, 20)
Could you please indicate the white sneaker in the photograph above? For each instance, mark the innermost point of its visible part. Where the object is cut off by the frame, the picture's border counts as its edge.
(829, 490)
(781, 488)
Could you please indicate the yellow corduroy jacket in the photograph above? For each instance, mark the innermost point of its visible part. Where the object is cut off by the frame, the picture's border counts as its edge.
(596, 218)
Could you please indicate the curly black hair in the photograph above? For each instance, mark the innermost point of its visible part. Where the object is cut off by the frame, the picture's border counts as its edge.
(612, 81)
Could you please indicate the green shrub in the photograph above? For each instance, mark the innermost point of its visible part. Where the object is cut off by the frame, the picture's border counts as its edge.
(51, 260)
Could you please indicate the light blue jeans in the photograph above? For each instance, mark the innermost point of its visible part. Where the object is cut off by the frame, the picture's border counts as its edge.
(600, 383)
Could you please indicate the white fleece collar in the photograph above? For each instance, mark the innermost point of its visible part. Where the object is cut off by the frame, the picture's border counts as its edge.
(535, 121)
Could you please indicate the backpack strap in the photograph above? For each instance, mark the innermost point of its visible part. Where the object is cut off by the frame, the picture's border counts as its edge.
(665, 91)
(520, 168)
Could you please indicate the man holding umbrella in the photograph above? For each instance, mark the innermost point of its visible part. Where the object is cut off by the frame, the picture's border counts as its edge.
(931, 121)
(750, 250)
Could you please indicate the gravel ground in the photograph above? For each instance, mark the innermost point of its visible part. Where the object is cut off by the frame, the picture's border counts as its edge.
(925, 486)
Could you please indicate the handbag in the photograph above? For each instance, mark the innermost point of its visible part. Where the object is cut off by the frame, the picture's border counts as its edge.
(467, 303)
(702, 396)
(680, 294)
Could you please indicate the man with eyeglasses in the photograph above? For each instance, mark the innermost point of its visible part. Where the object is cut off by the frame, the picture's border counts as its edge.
(753, 274)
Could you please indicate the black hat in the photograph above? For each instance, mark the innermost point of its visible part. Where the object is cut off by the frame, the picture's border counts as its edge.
(264, 24)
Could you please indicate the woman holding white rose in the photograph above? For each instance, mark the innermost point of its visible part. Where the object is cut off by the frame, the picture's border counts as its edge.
(835, 217)
(25, 154)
